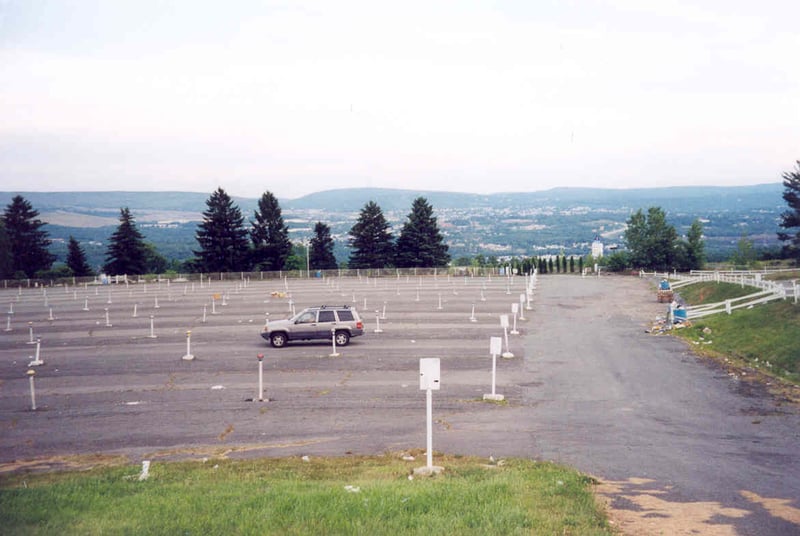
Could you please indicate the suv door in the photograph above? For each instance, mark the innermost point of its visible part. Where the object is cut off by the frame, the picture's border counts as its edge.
(325, 322)
(305, 327)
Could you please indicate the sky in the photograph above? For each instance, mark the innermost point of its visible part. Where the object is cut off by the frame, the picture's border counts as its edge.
(469, 96)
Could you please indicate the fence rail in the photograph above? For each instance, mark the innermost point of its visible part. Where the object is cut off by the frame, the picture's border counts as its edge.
(459, 271)
(768, 290)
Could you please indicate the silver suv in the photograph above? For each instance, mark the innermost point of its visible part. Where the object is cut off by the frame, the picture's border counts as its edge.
(316, 323)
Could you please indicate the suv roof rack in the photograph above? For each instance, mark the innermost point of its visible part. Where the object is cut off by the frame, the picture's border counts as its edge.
(334, 306)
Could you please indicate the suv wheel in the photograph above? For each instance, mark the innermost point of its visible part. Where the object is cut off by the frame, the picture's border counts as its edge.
(278, 340)
(342, 338)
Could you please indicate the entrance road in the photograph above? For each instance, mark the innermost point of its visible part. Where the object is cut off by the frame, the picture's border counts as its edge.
(690, 447)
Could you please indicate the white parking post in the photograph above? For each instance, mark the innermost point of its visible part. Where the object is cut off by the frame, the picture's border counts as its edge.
(333, 341)
(11, 308)
(86, 304)
(31, 374)
(8, 323)
(514, 311)
(383, 314)
(429, 380)
(522, 306)
(495, 346)
(378, 323)
(152, 329)
(108, 322)
(504, 323)
(36, 360)
(440, 302)
(472, 316)
(30, 331)
(188, 356)
(260, 377)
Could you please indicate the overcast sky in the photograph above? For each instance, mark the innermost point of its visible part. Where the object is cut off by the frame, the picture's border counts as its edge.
(297, 97)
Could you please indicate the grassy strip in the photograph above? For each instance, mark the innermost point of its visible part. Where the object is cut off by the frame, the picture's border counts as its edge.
(710, 292)
(766, 337)
(289, 496)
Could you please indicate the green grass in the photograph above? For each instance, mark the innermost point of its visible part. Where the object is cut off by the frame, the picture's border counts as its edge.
(289, 496)
(766, 337)
(700, 293)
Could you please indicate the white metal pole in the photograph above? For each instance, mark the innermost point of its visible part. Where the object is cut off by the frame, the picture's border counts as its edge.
(31, 374)
(260, 377)
(429, 401)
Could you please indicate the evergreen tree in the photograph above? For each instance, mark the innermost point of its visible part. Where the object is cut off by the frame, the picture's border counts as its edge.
(126, 252)
(571, 264)
(76, 259)
(222, 236)
(6, 261)
(28, 241)
(550, 265)
(420, 243)
(580, 264)
(371, 240)
(321, 255)
(695, 248)
(270, 236)
(790, 219)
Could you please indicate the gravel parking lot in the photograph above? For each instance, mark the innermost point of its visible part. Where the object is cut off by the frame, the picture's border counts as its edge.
(681, 446)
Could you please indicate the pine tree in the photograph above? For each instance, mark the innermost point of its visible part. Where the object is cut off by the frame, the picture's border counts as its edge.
(371, 240)
(222, 236)
(270, 236)
(420, 243)
(321, 255)
(126, 252)
(790, 219)
(76, 259)
(6, 261)
(28, 241)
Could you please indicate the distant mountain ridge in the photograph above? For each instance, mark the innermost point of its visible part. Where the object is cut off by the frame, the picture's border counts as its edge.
(682, 198)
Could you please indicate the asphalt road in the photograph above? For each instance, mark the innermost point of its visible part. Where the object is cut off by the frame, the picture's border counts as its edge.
(681, 445)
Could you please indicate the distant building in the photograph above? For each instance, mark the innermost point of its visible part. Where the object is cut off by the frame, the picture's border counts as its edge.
(597, 248)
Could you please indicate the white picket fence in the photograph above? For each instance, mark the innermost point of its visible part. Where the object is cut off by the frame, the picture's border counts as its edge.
(769, 290)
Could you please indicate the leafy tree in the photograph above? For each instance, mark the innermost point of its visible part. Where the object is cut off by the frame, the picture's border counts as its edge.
(790, 219)
(371, 240)
(420, 243)
(745, 254)
(617, 261)
(28, 242)
(126, 252)
(270, 235)
(76, 259)
(6, 260)
(222, 236)
(695, 247)
(320, 253)
(650, 240)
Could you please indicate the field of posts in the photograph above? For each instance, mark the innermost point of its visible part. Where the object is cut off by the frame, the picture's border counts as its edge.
(169, 368)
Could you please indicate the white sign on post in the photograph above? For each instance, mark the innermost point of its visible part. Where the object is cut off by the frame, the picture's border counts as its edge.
(429, 380)
(514, 308)
(429, 373)
(503, 321)
(495, 345)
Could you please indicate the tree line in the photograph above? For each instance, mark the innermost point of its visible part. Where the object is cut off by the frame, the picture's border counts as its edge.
(226, 244)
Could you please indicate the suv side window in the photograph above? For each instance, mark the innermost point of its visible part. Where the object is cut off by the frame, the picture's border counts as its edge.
(345, 315)
(326, 316)
(307, 318)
